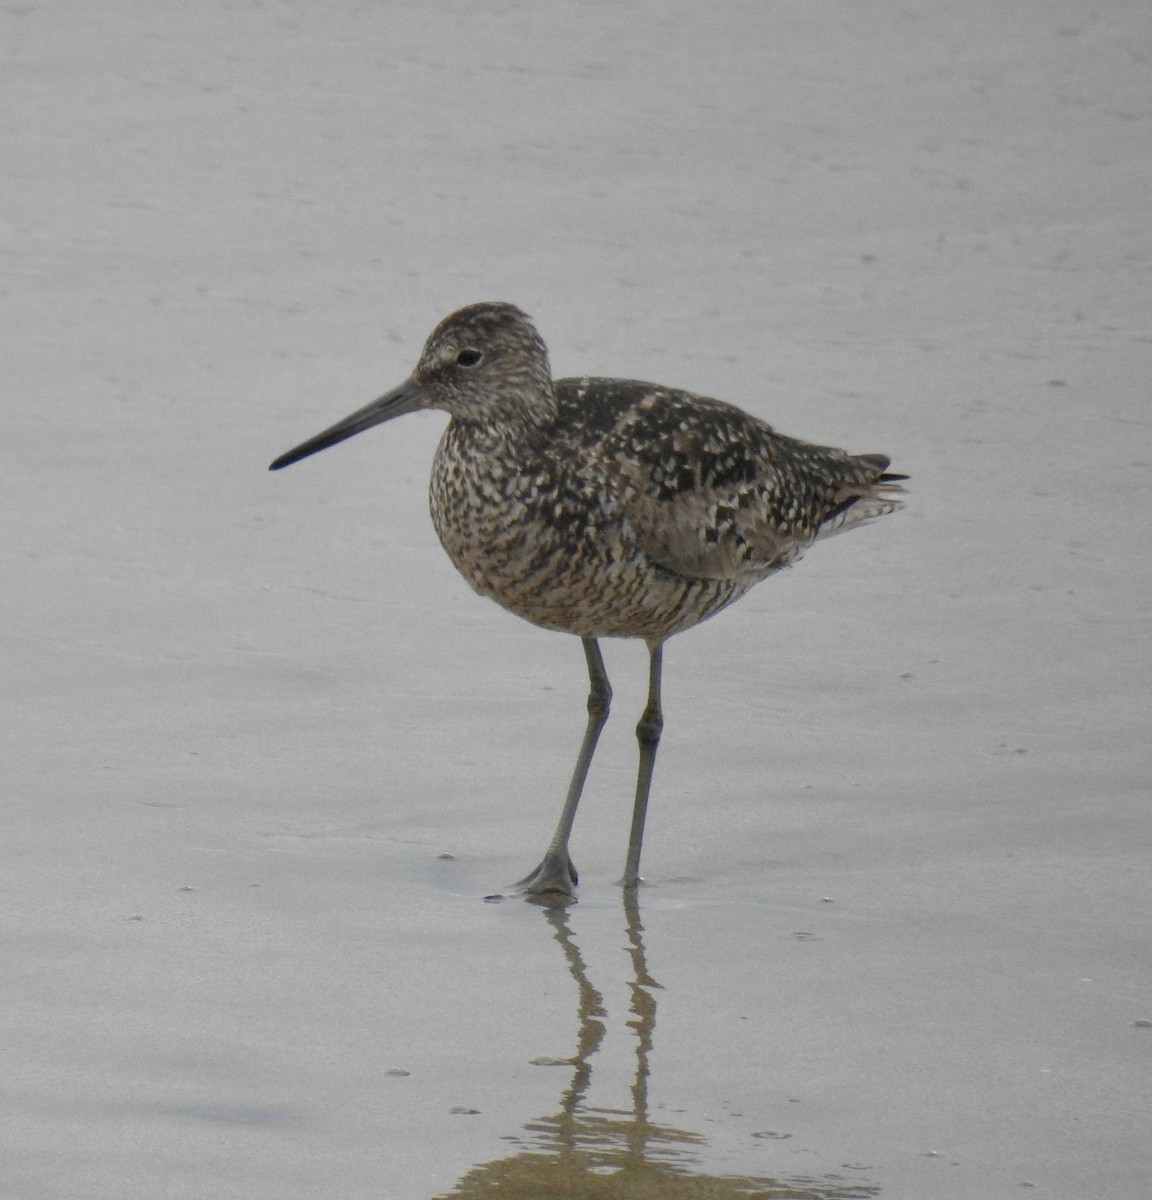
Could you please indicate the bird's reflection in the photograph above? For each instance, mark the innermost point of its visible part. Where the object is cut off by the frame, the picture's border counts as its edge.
(586, 1153)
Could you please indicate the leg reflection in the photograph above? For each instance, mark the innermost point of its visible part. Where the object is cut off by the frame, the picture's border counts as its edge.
(582, 1152)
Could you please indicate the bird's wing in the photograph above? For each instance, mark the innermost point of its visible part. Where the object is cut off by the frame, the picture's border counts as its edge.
(690, 476)
(713, 493)
(699, 536)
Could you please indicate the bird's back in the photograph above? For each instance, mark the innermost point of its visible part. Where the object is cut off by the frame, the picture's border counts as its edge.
(635, 510)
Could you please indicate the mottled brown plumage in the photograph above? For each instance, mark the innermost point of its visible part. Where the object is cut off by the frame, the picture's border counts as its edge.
(608, 507)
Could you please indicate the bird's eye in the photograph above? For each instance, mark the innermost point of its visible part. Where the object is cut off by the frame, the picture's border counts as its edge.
(468, 358)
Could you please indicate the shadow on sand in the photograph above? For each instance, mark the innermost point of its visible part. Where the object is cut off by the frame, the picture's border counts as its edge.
(586, 1153)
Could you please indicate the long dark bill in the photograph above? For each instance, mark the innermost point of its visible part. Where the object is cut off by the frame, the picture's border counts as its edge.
(401, 400)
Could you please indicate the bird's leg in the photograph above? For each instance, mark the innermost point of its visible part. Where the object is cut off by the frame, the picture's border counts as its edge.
(556, 874)
(648, 735)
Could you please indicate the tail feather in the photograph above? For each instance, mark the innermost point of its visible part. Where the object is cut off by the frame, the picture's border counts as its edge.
(862, 501)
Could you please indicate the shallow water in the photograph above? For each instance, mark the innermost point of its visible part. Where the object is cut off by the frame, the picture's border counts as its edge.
(894, 938)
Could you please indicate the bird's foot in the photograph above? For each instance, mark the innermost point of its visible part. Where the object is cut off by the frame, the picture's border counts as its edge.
(553, 882)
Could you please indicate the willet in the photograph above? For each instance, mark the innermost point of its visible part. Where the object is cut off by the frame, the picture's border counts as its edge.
(608, 508)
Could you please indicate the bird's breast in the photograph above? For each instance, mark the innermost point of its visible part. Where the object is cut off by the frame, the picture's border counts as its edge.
(546, 537)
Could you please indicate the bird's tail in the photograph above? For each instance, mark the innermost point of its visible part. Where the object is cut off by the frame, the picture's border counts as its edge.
(876, 494)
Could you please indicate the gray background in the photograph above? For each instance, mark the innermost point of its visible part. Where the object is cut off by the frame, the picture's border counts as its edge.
(899, 886)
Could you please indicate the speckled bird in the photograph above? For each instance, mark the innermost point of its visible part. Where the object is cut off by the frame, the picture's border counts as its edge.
(608, 508)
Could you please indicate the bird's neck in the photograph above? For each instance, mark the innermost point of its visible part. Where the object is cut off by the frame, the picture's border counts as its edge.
(516, 418)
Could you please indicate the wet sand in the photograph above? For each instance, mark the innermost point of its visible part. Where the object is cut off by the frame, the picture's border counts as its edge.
(895, 935)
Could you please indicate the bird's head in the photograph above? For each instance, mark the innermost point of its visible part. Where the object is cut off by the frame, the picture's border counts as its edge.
(484, 364)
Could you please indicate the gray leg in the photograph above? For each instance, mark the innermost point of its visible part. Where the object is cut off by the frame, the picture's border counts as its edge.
(648, 735)
(556, 874)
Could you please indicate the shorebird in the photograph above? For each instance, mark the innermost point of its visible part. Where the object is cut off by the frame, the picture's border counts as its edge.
(608, 508)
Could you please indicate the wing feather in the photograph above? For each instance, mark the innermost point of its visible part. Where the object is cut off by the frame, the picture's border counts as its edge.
(714, 493)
